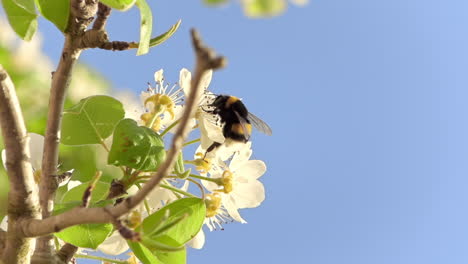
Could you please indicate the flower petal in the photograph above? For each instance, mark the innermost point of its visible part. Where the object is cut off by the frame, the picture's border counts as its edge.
(251, 169)
(185, 77)
(243, 153)
(206, 79)
(4, 158)
(210, 132)
(72, 184)
(4, 224)
(115, 244)
(158, 76)
(197, 241)
(231, 208)
(36, 146)
(248, 195)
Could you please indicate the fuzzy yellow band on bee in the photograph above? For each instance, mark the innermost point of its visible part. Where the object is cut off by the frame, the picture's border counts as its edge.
(238, 129)
(231, 100)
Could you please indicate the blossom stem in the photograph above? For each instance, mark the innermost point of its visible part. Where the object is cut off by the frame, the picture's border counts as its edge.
(176, 190)
(101, 259)
(170, 127)
(191, 142)
(153, 119)
(215, 180)
(199, 186)
(145, 201)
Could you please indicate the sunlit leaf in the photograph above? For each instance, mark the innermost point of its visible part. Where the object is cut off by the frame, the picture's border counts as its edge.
(91, 120)
(165, 36)
(262, 8)
(192, 210)
(76, 194)
(137, 147)
(27, 5)
(23, 22)
(143, 253)
(86, 235)
(178, 257)
(121, 5)
(56, 11)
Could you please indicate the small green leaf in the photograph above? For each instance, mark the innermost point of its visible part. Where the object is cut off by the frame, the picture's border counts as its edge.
(263, 8)
(178, 257)
(76, 194)
(23, 22)
(165, 36)
(179, 166)
(91, 120)
(87, 235)
(215, 2)
(136, 146)
(121, 5)
(143, 253)
(146, 26)
(56, 11)
(185, 229)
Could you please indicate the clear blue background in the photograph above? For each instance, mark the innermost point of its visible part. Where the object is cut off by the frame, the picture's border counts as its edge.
(368, 162)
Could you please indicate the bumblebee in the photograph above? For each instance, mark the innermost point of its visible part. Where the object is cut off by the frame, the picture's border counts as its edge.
(235, 119)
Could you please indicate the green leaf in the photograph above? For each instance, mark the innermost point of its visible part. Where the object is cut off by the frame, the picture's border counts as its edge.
(76, 194)
(165, 36)
(262, 8)
(23, 22)
(136, 147)
(178, 257)
(184, 230)
(27, 5)
(56, 11)
(143, 253)
(121, 5)
(87, 235)
(146, 26)
(91, 120)
(215, 2)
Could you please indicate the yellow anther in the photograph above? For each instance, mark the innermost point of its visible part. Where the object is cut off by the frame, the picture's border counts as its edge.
(157, 124)
(227, 181)
(213, 203)
(37, 176)
(146, 117)
(134, 219)
(165, 100)
(202, 164)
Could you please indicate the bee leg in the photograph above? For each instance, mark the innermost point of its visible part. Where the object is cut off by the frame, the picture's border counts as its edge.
(211, 148)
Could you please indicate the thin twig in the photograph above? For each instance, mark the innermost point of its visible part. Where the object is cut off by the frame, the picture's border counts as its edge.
(82, 13)
(66, 253)
(101, 17)
(205, 60)
(22, 197)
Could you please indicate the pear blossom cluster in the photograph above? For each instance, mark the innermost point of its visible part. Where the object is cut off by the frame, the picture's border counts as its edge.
(229, 177)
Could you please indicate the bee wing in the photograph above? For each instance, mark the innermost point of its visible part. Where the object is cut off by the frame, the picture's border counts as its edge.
(259, 124)
(243, 121)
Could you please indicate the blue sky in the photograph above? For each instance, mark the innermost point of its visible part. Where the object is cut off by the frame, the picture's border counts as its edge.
(368, 162)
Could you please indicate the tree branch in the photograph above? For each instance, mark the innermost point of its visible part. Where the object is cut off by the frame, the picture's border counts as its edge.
(22, 197)
(66, 253)
(205, 60)
(82, 13)
(102, 15)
